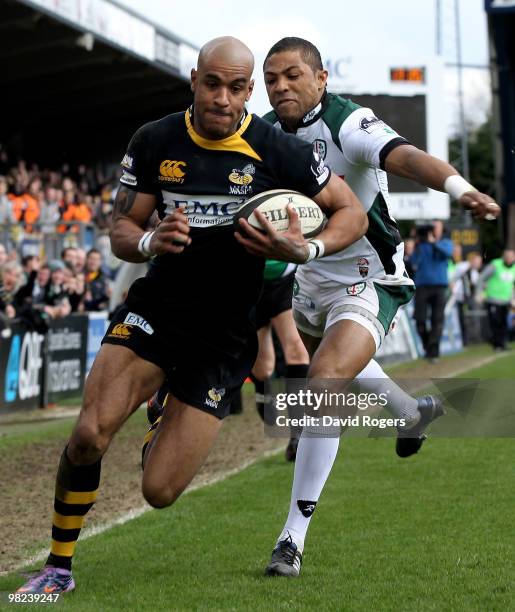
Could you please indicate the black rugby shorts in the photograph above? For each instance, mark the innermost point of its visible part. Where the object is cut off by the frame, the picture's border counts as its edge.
(203, 368)
(275, 298)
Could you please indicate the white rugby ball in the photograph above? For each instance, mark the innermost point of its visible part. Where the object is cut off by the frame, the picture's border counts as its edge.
(273, 205)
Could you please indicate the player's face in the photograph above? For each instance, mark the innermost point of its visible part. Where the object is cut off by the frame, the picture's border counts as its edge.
(220, 91)
(292, 86)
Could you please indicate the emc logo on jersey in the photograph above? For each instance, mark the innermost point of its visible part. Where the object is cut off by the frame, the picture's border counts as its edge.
(171, 171)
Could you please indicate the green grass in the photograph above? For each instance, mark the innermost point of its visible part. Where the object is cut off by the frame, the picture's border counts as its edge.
(435, 532)
(20, 433)
(501, 368)
(407, 368)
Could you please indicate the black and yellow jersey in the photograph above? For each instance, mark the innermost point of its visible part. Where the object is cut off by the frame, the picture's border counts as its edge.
(210, 180)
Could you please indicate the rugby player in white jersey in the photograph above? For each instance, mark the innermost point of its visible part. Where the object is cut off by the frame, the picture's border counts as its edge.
(344, 303)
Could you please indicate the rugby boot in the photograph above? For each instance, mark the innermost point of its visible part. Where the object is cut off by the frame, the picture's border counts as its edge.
(409, 441)
(286, 559)
(49, 580)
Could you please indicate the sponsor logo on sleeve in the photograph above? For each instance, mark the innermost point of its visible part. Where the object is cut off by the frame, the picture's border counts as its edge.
(121, 331)
(172, 171)
(134, 319)
(128, 179)
(319, 169)
(127, 161)
(370, 124)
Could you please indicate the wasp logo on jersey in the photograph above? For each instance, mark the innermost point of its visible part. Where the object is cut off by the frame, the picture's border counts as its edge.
(214, 396)
(241, 179)
(243, 176)
(172, 171)
(320, 147)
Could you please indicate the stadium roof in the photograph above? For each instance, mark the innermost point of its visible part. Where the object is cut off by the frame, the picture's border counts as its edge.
(76, 72)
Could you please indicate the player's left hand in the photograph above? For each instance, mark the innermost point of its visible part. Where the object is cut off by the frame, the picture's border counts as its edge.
(481, 206)
(286, 246)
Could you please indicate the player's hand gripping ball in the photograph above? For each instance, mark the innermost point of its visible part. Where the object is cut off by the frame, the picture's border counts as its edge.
(273, 205)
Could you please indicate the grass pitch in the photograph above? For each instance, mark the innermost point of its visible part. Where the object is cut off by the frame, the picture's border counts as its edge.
(433, 532)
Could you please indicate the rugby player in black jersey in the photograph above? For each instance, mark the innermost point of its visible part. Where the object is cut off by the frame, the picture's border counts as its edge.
(189, 319)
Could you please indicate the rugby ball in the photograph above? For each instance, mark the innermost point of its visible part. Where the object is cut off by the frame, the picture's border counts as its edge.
(273, 205)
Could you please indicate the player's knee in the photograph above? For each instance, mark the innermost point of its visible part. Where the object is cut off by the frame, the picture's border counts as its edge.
(263, 369)
(162, 496)
(328, 370)
(88, 443)
(296, 352)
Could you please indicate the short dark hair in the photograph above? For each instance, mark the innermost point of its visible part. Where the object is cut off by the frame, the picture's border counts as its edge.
(65, 251)
(309, 53)
(92, 251)
(26, 258)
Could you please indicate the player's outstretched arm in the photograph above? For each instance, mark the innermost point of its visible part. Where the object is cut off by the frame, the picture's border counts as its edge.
(412, 163)
(131, 213)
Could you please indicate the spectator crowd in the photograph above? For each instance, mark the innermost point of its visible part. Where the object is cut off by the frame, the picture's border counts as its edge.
(43, 201)
(36, 291)
(35, 284)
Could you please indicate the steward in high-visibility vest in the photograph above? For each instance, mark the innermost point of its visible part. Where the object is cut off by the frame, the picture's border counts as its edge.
(497, 281)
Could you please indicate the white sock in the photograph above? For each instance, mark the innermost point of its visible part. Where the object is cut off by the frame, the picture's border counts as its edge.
(400, 404)
(315, 458)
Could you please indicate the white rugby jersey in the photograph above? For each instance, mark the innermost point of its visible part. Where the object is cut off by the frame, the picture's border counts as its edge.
(354, 144)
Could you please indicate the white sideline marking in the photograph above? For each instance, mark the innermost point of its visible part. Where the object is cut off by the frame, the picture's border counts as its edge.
(89, 532)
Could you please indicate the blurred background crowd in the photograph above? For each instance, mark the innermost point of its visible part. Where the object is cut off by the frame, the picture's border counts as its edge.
(54, 241)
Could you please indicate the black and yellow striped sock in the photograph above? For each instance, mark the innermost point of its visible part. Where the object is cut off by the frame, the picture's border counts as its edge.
(75, 493)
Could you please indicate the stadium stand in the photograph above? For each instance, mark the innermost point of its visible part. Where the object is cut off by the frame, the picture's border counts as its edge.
(95, 73)
(77, 79)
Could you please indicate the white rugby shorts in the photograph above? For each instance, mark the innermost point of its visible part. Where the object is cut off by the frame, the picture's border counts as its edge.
(318, 303)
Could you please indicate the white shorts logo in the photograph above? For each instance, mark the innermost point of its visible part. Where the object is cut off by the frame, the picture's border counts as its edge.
(133, 319)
